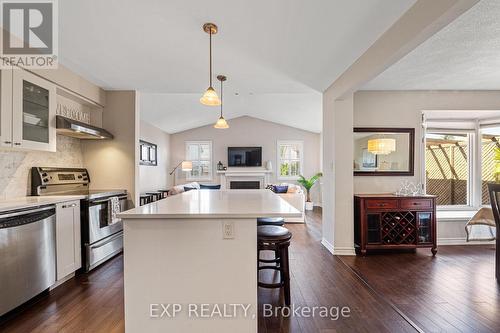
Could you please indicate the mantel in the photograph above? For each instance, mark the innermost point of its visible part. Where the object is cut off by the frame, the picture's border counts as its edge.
(243, 170)
(244, 174)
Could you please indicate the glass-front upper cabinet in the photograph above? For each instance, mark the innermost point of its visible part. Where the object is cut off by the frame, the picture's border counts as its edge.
(33, 112)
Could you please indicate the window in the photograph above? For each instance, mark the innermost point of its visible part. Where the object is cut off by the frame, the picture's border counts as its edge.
(290, 159)
(462, 156)
(447, 167)
(200, 153)
(490, 165)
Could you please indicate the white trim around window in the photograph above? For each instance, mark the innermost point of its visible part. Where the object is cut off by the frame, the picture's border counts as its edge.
(475, 156)
(297, 145)
(199, 160)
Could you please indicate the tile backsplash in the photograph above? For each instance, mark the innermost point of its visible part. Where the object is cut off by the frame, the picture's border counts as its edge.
(15, 166)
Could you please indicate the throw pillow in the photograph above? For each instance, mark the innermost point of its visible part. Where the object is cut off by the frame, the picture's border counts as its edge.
(270, 187)
(209, 187)
(280, 189)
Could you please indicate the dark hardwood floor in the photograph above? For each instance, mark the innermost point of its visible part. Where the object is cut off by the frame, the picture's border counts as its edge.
(453, 292)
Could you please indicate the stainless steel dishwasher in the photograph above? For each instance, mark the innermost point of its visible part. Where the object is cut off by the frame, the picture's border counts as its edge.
(27, 254)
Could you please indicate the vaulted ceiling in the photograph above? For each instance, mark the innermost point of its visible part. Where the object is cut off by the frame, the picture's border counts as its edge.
(278, 55)
(465, 55)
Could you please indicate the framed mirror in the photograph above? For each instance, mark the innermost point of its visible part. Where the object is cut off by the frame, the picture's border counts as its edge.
(384, 151)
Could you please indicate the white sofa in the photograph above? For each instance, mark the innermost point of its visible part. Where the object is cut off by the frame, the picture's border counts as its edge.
(294, 196)
(297, 200)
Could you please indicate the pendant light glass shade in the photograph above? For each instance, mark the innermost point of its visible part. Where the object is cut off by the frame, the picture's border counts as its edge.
(381, 146)
(210, 98)
(221, 123)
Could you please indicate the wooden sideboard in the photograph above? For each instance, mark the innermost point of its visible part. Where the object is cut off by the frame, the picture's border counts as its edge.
(387, 221)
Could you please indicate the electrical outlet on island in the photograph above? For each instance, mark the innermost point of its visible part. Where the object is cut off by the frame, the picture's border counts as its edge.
(227, 229)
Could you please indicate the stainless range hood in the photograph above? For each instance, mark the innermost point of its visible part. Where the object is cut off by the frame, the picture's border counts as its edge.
(77, 129)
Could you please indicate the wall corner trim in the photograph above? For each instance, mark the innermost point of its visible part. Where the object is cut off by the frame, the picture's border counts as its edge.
(327, 245)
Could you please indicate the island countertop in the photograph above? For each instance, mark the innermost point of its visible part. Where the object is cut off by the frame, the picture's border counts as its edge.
(215, 204)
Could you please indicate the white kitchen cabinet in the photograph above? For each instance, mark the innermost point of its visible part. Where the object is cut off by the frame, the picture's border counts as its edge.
(28, 111)
(68, 240)
(6, 108)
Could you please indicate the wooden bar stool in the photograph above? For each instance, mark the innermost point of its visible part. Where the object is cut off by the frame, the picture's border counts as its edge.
(276, 239)
(278, 221)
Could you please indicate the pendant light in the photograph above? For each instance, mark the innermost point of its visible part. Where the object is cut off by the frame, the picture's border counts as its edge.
(210, 97)
(221, 122)
(382, 146)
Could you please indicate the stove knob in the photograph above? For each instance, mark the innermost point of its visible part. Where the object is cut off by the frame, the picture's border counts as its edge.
(44, 174)
(45, 180)
(79, 176)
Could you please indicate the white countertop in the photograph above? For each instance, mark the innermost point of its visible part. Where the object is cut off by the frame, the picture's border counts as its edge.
(215, 204)
(34, 201)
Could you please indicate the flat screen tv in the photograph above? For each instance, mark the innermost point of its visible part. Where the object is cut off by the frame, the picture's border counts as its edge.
(244, 156)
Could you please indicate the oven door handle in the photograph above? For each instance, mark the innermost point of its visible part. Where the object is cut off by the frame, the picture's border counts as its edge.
(107, 240)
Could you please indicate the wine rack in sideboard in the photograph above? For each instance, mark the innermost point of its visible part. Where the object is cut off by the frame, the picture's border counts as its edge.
(385, 221)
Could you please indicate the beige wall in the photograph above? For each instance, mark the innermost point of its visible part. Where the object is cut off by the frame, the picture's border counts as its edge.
(113, 164)
(404, 109)
(153, 178)
(248, 131)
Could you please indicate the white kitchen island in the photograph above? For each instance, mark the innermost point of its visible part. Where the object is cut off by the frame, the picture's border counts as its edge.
(190, 261)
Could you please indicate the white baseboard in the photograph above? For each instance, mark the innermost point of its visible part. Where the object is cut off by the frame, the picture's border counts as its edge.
(461, 241)
(344, 251)
(338, 251)
(327, 245)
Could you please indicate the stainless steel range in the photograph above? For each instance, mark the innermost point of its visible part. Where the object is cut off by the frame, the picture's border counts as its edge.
(102, 232)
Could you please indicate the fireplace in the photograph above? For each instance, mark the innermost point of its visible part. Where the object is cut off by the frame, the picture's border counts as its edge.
(244, 185)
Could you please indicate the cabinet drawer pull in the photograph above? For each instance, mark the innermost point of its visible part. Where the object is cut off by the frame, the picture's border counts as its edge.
(7, 142)
(382, 204)
(69, 206)
(17, 143)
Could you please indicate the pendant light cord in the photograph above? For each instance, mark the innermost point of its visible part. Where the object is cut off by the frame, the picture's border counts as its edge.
(221, 97)
(210, 57)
